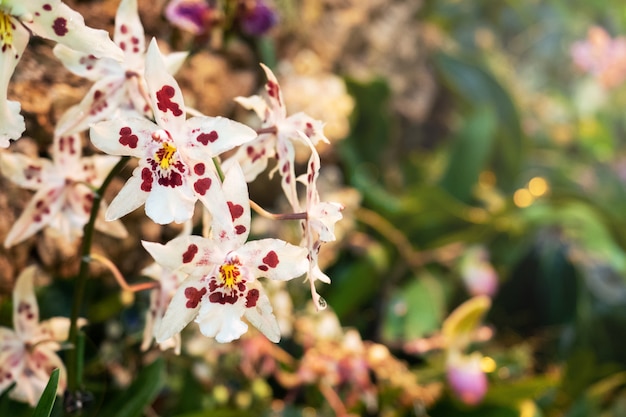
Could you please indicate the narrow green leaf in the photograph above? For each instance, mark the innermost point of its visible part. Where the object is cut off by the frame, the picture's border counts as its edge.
(49, 395)
(469, 153)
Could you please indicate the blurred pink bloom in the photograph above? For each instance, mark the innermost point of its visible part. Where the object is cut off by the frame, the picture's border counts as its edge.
(27, 353)
(63, 196)
(193, 16)
(601, 56)
(479, 276)
(466, 378)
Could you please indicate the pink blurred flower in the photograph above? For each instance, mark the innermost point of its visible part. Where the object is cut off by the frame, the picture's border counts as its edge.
(479, 276)
(601, 56)
(466, 378)
(193, 16)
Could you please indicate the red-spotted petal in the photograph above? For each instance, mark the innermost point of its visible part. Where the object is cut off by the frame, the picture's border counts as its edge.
(260, 312)
(25, 307)
(54, 20)
(274, 259)
(183, 308)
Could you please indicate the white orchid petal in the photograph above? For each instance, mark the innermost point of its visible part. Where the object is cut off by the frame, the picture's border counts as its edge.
(24, 171)
(274, 259)
(214, 135)
(261, 314)
(165, 204)
(174, 61)
(188, 254)
(129, 34)
(25, 307)
(100, 103)
(167, 99)
(256, 104)
(84, 64)
(11, 121)
(130, 197)
(183, 308)
(123, 136)
(42, 208)
(56, 21)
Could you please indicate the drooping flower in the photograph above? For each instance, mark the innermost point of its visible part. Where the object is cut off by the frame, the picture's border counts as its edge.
(50, 19)
(63, 196)
(466, 377)
(193, 16)
(119, 87)
(28, 357)
(175, 155)
(223, 272)
(319, 225)
(278, 137)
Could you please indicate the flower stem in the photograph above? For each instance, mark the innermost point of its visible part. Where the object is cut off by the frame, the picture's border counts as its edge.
(73, 360)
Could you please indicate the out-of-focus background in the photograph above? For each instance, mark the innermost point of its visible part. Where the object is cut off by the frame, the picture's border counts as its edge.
(479, 149)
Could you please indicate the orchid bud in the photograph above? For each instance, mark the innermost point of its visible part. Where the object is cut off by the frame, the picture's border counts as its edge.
(258, 18)
(479, 276)
(466, 377)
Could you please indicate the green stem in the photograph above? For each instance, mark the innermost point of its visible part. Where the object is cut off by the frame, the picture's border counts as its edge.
(73, 360)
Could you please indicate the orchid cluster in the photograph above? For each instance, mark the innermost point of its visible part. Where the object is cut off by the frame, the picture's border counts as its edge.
(135, 108)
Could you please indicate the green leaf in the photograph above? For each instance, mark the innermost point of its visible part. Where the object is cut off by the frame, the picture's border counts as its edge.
(415, 309)
(469, 153)
(140, 394)
(477, 86)
(49, 395)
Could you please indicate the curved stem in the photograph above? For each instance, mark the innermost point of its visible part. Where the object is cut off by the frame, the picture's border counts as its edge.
(79, 292)
(283, 216)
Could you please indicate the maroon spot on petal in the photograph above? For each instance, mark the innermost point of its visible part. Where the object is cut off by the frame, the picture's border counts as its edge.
(123, 46)
(205, 138)
(134, 40)
(218, 297)
(146, 177)
(202, 185)
(60, 26)
(285, 167)
(236, 210)
(127, 138)
(252, 297)
(47, 7)
(272, 90)
(193, 296)
(271, 259)
(164, 102)
(190, 253)
(240, 230)
(199, 168)
(263, 267)
(124, 29)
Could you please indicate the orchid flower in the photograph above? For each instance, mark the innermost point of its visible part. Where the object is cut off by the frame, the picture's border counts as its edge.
(175, 167)
(50, 19)
(193, 16)
(63, 196)
(28, 357)
(319, 225)
(277, 135)
(222, 285)
(160, 297)
(119, 87)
